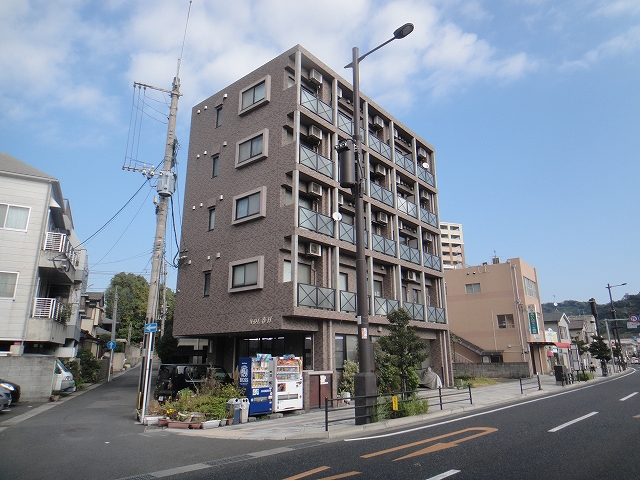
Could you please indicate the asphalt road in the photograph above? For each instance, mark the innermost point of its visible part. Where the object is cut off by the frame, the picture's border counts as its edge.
(581, 433)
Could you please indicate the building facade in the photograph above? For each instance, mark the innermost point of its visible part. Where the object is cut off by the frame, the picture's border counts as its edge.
(267, 261)
(494, 311)
(452, 244)
(42, 273)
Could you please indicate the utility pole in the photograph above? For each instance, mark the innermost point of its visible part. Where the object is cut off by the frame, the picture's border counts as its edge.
(114, 322)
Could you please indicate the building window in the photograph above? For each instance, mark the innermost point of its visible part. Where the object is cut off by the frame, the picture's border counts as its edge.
(506, 321)
(343, 282)
(472, 288)
(13, 217)
(249, 206)
(346, 348)
(377, 288)
(255, 95)
(304, 273)
(212, 218)
(8, 282)
(252, 149)
(530, 288)
(246, 274)
(215, 166)
(218, 116)
(207, 284)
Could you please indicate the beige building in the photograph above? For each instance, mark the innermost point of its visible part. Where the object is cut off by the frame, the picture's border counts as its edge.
(452, 244)
(494, 312)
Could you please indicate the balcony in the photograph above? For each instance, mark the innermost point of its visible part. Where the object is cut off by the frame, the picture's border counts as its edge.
(407, 207)
(404, 161)
(426, 176)
(410, 254)
(316, 297)
(379, 146)
(317, 106)
(48, 308)
(383, 306)
(381, 194)
(346, 125)
(435, 315)
(316, 222)
(384, 245)
(429, 217)
(416, 310)
(431, 261)
(348, 301)
(316, 162)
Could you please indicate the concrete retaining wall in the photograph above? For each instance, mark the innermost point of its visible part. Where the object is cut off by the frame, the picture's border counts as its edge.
(492, 370)
(34, 374)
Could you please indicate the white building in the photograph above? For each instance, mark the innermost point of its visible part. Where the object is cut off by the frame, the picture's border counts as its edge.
(452, 244)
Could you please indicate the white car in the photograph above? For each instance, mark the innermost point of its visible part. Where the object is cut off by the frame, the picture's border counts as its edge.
(5, 399)
(62, 378)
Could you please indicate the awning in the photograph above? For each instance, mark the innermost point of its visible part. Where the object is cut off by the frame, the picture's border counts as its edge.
(562, 345)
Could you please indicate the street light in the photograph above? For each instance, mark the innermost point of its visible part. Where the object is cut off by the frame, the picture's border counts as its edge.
(613, 315)
(365, 380)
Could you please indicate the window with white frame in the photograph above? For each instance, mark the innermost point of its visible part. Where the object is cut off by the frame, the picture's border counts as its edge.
(8, 283)
(304, 272)
(530, 287)
(250, 205)
(252, 149)
(255, 95)
(13, 217)
(506, 321)
(247, 274)
(472, 288)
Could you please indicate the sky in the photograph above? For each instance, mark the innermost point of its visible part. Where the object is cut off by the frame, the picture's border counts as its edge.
(532, 107)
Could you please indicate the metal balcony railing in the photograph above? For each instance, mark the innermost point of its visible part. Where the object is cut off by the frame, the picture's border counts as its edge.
(379, 146)
(385, 305)
(410, 254)
(348, 301)
(383, 245)
(435, 315)
(316, 297)
(316, 222)
(407, 207)
(47, 308)
(316, 162)
(404, 161)
(317, 106)
(59, 242)
(346, 125)
(381, 194)
(431, 261)
(425, 175)
(416, 310)
(429, 217)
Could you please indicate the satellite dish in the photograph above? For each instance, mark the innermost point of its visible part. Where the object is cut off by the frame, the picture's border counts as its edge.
(337, 216)
(425, 165)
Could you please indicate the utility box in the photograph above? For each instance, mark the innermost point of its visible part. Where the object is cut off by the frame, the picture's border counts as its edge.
(560, 371)
(233, 409)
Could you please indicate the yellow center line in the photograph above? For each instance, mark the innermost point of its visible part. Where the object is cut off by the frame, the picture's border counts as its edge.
(307, 473)
(636, 416)
(342, 475)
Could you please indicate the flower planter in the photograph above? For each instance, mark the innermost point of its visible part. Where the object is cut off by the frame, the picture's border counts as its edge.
(223, 422)
(195, 426)
(163, 422)
(151, 419)
(211, 424)
(178, 424)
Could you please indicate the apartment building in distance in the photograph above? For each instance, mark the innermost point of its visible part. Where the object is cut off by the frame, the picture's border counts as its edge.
(494, 314)
(267, 262)
(42, 273)
(452, 244)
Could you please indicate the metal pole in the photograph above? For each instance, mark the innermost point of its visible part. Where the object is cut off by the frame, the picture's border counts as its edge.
(114, 322)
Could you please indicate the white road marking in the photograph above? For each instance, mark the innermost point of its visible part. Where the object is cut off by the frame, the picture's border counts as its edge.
(560, 427)
(444, 475)
(628, 396)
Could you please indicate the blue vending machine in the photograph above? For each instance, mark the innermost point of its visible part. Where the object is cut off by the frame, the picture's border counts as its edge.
(255, 378)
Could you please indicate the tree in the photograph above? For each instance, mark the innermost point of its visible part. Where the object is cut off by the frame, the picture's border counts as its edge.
(599, 349)
(583, 347)
(133, 293)
(402, 349)
(166, 345)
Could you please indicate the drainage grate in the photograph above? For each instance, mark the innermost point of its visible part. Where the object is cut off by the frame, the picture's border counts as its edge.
(306, 445)
(223, 461)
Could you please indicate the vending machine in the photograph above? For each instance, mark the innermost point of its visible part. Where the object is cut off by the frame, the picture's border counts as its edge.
(255, 378)
(287, 378)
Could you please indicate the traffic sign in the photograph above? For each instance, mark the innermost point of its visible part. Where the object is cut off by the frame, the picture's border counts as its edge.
(633, 318)
(150, 327)
(111, 344)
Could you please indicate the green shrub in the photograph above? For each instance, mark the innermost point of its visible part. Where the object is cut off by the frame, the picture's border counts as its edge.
(89, 365)
(348, 377)
(210, 400)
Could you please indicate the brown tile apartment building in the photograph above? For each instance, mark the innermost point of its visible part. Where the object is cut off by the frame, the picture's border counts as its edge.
(266, 264)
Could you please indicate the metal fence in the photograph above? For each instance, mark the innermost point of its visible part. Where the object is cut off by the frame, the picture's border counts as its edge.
(530, 383)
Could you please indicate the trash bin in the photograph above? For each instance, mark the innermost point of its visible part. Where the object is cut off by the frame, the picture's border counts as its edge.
(560, 372)
(244, 410)
(233, 409)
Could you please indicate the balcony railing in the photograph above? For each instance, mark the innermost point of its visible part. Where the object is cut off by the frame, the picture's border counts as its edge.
(379, 146)
(435, 315)
(429, 217)
(410, 254)
(347, 233)
(425, 175)
(59, 242)
(317, 106)
(384, 306)
(346, 125)
(384, 245)
(431, 261)
(316, 162)
(316, 297)
(348, 301)
(404, 161)
(316, 222)
(381, 194)
(416, 310)
(407, 207)
(48, 308)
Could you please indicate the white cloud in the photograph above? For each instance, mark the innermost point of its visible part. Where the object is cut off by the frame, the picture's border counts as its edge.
(614, 8)
(624, 43)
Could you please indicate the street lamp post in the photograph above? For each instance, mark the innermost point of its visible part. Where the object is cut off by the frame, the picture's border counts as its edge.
(614, 317)
(365, 380)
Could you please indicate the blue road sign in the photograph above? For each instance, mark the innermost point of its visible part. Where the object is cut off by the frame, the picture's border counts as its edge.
(111, 344)
(150, 327)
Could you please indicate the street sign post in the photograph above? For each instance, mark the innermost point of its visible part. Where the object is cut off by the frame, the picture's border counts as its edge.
(150, 327)
(111, 345)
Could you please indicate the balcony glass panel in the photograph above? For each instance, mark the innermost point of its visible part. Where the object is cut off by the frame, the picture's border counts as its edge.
(429, 217)
(407, 207)
(315, 161)
(410, 254)
(435, 315)
(379, 146)
(416, 310)
(316, 222)
(347, 232)
(384, 245)
(317, 106)
(426, 176)
(316, 297)
(346, 125)
(381, 194)
(348, 301)
(404, 161)
(431, 261)
(383, 306)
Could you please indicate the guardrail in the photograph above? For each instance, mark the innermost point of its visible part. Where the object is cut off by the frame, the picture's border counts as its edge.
(530, 383)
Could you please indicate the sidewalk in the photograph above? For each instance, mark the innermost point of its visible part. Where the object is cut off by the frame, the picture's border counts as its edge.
(310, 425)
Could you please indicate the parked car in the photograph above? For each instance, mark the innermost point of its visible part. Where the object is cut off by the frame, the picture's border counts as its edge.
(173, 377)
(62, 378)
(14, 389)
(5, 399)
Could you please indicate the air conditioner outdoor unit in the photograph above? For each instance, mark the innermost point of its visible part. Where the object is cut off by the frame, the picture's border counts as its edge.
(315, 133)
(315, 189)
(314, 250)
(411, 276)
(395, 133)
(380, 169)
(428, 236)
(422, 152)
(424, 195)
(382, 217)
(400, 224)
(378, 122)
(340, 199)
(339, 91)
(315, 77)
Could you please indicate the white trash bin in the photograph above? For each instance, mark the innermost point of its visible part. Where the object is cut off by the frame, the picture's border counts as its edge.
(244, 410)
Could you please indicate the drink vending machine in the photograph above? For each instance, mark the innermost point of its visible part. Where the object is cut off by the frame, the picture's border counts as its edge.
(255, 378)
(287, 377)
